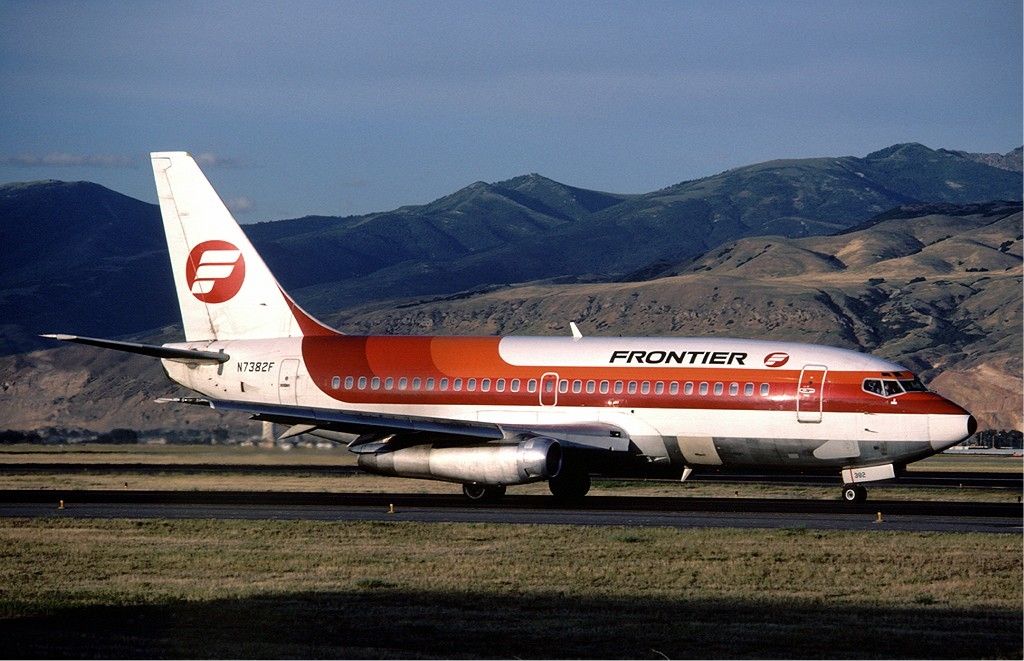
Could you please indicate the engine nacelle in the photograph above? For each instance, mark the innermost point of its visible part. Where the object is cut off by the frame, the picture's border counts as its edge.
(534, 459)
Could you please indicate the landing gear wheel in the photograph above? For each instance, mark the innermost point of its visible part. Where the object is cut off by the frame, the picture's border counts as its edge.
(569, 485)
(854, 493)
(483, 493)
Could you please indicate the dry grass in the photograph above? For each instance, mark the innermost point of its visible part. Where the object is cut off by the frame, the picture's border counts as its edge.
(299, 588)
(969, 463)
(88, 453)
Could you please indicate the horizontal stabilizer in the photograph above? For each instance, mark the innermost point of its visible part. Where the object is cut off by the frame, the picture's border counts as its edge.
(170, 353)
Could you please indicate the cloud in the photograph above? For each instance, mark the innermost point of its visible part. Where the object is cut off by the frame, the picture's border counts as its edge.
(66, 159)
(209, 159)
(240, 205)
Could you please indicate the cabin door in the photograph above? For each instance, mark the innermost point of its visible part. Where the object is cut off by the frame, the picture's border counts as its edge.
(810, 393)
(288, 382)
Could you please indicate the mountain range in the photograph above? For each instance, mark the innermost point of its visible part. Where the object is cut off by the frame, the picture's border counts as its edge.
(91, 254)
(901, 253)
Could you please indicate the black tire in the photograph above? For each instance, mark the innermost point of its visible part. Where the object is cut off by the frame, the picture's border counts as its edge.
(568, 486)
(854, 493)
(483, 493)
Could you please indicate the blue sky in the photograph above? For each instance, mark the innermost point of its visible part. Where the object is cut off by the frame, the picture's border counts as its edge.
(349, 107)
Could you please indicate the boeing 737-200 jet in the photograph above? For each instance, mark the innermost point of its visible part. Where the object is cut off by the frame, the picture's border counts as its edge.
(492, 412)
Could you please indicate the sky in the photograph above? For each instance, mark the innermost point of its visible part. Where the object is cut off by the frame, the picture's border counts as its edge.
(339, 108)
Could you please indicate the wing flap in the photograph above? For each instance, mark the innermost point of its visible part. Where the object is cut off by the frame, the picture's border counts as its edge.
(354, 422)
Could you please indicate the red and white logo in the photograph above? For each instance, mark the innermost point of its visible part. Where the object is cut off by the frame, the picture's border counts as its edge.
(215, 271)
(777, 359)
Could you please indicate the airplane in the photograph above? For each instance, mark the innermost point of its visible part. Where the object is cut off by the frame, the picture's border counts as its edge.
(494, 412)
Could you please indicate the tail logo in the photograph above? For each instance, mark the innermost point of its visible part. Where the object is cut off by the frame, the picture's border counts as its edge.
(777, 359)
(215, 271)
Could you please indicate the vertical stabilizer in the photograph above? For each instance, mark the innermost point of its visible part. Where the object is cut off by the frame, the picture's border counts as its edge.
(224, 289)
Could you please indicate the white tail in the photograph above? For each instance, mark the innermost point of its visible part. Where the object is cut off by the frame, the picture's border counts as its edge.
(224, 289)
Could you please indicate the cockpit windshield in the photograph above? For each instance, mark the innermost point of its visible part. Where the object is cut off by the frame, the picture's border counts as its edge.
(892, 387)
(913, 385)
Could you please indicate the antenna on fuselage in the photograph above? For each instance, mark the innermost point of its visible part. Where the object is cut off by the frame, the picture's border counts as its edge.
(576, 334)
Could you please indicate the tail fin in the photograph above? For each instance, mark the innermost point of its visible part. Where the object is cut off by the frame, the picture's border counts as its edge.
(224, 289)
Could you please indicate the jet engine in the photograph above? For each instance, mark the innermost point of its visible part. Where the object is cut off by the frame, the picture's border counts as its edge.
(537, 458)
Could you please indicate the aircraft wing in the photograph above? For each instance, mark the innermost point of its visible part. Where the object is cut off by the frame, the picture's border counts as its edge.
(374, 428)
(349, 422)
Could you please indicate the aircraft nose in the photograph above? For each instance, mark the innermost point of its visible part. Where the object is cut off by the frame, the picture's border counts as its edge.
(946, 430)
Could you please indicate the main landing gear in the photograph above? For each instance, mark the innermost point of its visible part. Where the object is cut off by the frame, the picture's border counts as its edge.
(854, 493)
(569, 485)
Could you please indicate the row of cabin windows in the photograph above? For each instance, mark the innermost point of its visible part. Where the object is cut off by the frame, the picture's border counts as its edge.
(444, 384)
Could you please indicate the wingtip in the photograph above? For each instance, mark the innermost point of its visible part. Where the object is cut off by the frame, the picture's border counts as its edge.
(58, 336)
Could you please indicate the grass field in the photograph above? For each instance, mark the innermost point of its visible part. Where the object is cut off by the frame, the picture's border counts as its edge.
(97, 588)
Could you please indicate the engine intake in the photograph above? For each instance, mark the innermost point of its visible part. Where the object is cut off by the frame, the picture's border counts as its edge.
(537, 458)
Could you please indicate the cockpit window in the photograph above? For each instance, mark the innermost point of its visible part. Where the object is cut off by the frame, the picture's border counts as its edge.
(913, 385)
(885, 387)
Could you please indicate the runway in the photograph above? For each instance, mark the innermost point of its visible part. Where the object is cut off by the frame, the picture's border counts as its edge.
(960, 480)
(673, 512)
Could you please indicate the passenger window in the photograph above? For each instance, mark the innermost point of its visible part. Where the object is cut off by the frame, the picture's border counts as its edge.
(485, 385)
(631, 389)
(577, 386)
(444, 384)
(375, 383)
(645, 387)
(416, 383)
(531, 385)
(430, 383)
(591, 386)
(688, 388)
(349, 382)
(748, 389)
(618, 387)
(734, 389)
(499, 385)
(389, 383)
(604, 387)
(764, 389)
(673, 388)
(471, 385)
(457, 385)
(549, 386)
(335, 382)
(659, 388)
(362, 383)
(704, 387)
(403, 383)
(515, 385)
(719, 388)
